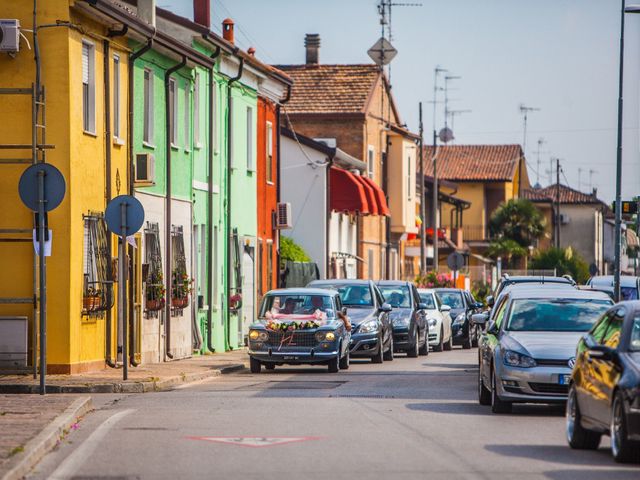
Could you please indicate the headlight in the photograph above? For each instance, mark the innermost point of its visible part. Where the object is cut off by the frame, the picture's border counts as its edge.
(432, 322)
(368, 327)
(330, 337)
(258, 335)
(401, 322)
(254, 334)
(460, 318)
(325, 336)
(515, 359)
(320, 336)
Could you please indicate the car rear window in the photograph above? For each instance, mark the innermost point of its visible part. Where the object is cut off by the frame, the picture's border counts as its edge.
(453, 299)
(300, 305)
(351, 295)
(396, 296)
(557, 315)
(427, 299)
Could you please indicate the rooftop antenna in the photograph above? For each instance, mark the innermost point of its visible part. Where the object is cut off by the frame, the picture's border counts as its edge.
(541, 141)
(524, 110)
(384, 10)
(591, 172)
(446, 134)
(579, 179)
(454, 113)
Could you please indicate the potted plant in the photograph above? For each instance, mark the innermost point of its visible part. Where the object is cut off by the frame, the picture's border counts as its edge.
(154, 293)
(181, 288)
(91, 300)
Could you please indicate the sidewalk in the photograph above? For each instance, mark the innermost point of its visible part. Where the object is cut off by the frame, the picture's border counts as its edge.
(145, 378)
(32, 425)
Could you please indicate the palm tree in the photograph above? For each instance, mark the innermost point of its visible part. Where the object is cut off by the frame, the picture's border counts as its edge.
(507, 249)
(518, 220)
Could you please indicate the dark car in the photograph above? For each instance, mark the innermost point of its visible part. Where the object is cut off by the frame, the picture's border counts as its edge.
(604, 397)
(372, 334)
(298, 326)
(409, 317)
(508, 280)
(629, 285)
(463, 305)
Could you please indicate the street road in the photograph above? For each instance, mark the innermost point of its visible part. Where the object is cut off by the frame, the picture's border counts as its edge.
(406, 419)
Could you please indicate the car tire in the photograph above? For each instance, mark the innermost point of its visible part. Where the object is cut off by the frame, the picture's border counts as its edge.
(412, 352)
(424, 349)
(344, 362)
(484, 395)
(474, 341)
(578, 437)
(255, 365)
(379, 356)
(388, 355)
(270, 366)
(440, 346)
(497, 404)
(449, 345)
(334, 364)
(468, 342)
(623, 449)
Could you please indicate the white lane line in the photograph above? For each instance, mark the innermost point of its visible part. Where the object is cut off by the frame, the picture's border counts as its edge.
(80, 455)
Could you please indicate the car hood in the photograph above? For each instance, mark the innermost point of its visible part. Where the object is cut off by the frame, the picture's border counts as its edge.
(357, 315)
(543, 345)
(400, 312)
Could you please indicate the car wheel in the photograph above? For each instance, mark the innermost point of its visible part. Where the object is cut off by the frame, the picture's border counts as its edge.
(623, 449)
(440, 346)
(424, 349)
(388, 355)
(334, 364)
(270, 366)
(474, 341)
(484, 395)
(255, 365)
(578, 437)
(497, 404)
(449, 345)
(466, 345)
(413, 350)
(344, 362)
(379, 356)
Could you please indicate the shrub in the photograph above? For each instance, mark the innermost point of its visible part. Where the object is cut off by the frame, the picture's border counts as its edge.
(564, 260)
(289, 250)
(433, 279)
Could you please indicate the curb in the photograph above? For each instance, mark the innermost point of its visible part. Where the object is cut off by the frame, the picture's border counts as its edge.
(46, 440)
(126, 387)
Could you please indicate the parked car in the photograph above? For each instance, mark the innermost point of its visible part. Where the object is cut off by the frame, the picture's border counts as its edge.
(300, 326)
(629, 285)
(462, 305)
(439, 320)
(527, 350)
(409, 317)
(372, 333)
(604, 397)
(508, 280)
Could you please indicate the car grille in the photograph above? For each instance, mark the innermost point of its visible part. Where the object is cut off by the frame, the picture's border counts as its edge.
(552, 363)
(549, 388)
(300, 339)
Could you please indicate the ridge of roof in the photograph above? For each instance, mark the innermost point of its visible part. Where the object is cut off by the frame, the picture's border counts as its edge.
(570, 195)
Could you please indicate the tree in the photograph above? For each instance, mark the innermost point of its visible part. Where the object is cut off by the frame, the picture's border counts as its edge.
(518, 220)
(564, 260)
(507, 249)
(290, 250)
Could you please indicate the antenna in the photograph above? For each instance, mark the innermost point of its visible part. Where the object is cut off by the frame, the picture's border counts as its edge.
(446, 134)
(591, 172)
(524, 110)
(384, 10)
(541, 141)
(454, 113)
(579, 179)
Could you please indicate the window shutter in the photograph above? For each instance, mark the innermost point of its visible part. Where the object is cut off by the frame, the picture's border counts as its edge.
(85, 63)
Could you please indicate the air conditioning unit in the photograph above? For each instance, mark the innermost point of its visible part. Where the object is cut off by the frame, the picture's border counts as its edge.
(329, 142)
(10, 35)
(283, 216)
(564, 219)
(145, 173)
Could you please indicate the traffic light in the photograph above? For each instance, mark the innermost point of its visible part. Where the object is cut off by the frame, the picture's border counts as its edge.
(628, 208)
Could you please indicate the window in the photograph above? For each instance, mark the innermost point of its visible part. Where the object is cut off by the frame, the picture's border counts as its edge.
(187, 117)
(97, 289)
(612, 337)
(180, 281)
(196, 110)
(148, 107)
(173, 112)
(214, 140)
(215, 265)
(250, 165)
(88, 87)
(230, 135)
(116, 96)
(269, 146)
(370, 263)
(153, 282)
(383, 260)
(371, 155)
(269, 265)
(409, 179)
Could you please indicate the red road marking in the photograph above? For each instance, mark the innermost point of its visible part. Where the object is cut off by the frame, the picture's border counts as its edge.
(255, 442)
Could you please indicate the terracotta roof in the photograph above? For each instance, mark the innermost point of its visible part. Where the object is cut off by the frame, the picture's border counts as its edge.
(475, 163)
(330, 88)
(536, 195)
(569, 195)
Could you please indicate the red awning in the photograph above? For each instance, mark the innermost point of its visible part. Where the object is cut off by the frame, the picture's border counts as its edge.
(371, 195)
(347, 193)
(383, 208)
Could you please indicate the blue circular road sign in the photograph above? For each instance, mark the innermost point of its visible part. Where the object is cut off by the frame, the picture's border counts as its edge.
(134, 215)
(53, 189)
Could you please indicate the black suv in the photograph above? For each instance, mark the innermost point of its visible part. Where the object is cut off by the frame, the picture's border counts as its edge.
(463, 305)
(372, 334)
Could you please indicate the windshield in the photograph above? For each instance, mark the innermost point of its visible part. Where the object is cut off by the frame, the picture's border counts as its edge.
(634, 338)
(628, 293)
(296, 305)
(351, 295)
(396, 296)
(453, 299)
(562, 315)
(427, 299)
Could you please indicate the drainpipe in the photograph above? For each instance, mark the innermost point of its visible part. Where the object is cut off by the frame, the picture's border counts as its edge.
(167, 227)
(278, 180)
(229, 140)
(327, 199)
(210, 281)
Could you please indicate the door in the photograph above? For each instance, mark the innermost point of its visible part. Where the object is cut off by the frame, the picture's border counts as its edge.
(587, 378)
(247, 316)
(490, 341)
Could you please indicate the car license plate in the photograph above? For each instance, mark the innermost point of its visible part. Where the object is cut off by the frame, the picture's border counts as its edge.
(290, 357)
(564, 379)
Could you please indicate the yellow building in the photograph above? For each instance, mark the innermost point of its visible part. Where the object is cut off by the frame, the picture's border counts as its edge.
(84, 78)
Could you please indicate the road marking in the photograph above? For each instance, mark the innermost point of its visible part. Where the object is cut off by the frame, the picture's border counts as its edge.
(80, 455)
(255, 442)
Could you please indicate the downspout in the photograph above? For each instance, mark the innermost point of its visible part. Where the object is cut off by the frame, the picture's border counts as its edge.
(210, 279)
(278, 180)
(229, 140)
(167, 226)
(327, 200)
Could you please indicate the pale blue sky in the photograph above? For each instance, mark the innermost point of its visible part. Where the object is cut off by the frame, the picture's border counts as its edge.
(558, 55)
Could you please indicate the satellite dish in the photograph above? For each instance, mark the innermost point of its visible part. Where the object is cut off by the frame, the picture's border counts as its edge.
(446, 135)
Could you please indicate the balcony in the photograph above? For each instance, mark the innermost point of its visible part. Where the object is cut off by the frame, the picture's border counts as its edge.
(475, 232)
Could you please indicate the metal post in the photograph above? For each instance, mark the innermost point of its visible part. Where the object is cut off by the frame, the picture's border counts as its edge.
(618, 212)
(557, 225)
(423, 261)
(43, 284)
(434, 207)
(123, 290)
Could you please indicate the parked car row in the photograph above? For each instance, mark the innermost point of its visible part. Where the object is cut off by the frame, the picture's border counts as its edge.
(545, 340)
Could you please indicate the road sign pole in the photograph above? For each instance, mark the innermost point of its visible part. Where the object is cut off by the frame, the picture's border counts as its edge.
(43, 283)
(123, 289)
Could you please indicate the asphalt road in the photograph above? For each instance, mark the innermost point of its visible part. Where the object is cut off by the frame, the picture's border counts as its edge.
(406, 419)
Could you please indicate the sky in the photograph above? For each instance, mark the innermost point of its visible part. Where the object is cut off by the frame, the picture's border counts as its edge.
(560, 56)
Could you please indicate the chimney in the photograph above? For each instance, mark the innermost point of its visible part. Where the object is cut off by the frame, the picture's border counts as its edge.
(252, 51)
(202, 12)
(312, 44)
(147, 11)
(227, 30)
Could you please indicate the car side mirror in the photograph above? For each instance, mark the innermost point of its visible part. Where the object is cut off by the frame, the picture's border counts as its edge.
(386, 308)
(602, 352)
(445, 308)
(478, 305)
(344, 310)
(422, 306)
(492, 328)
(490, 301)
(479, 318)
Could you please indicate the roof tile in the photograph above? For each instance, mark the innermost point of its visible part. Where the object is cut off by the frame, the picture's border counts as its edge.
(475, 163)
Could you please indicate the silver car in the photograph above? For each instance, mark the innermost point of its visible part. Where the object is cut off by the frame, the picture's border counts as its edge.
(528, 349)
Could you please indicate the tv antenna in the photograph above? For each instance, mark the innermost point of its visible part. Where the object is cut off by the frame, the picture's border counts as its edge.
(524, 110)
(591, 172)
(541, 141)
(454, 113)
(384, 10)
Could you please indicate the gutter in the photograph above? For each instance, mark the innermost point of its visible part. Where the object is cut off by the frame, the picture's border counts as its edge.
(167, 227)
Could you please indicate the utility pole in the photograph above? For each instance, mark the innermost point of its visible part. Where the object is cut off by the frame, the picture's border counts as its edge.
(423, 207)
(434, 159)
(557, 224)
